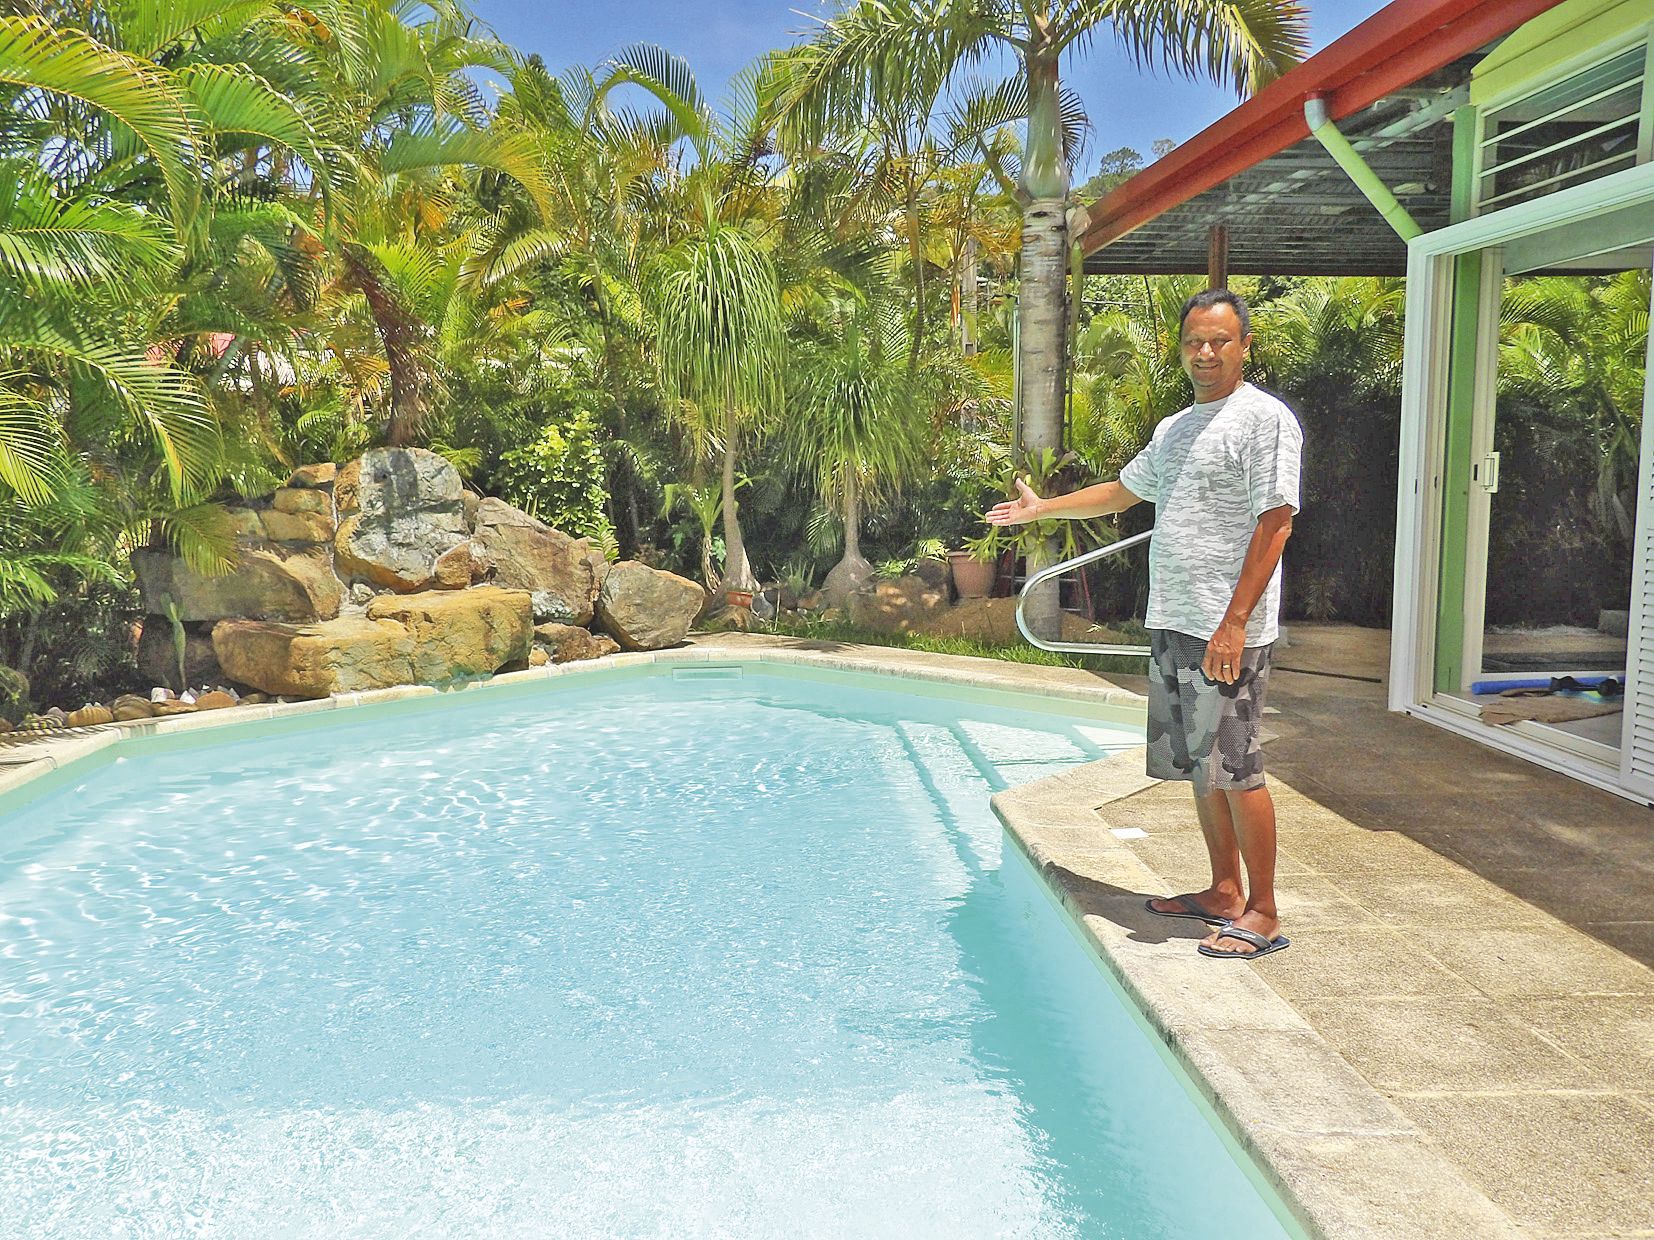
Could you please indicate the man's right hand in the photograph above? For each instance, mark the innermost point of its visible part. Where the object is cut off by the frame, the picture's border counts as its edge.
(1019, 511)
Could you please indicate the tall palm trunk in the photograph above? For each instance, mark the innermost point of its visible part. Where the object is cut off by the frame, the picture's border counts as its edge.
(916, 255)
(405, 338)
(737, 571)
(1042, 310)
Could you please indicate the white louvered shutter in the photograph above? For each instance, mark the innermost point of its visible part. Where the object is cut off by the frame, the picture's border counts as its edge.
(1637, 741)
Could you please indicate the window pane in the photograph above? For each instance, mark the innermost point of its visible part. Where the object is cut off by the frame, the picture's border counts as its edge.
(1577, 130)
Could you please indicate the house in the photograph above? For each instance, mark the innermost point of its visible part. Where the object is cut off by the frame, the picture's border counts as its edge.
(1471, 145)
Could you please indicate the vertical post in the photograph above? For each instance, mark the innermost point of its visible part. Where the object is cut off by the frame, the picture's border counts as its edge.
(1217, 256)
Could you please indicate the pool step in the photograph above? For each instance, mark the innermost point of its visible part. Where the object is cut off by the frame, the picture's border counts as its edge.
(959, 782)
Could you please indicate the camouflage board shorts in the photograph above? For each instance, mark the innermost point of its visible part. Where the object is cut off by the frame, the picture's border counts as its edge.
(1203, 730)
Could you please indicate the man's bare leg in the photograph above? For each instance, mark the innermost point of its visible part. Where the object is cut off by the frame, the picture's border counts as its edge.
(1225, 897)
(1252, 814)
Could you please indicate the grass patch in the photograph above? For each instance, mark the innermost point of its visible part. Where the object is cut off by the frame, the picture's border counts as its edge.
(1010, 652)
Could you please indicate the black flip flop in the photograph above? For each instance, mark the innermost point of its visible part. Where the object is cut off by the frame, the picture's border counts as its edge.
(1194, 911)
(1277, 944)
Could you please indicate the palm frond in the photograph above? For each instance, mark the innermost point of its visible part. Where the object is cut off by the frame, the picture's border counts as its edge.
(437, 146)
(134, 94)
(48, 244)
(199, 534)
(133, 389)
(1241, 44)
(145, 28)
(234, 100)
(31, 445)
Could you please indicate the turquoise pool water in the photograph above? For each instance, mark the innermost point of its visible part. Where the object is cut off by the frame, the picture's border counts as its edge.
(631, 957)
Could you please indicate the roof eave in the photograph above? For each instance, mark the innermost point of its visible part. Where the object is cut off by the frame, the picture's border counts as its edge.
(1396, 47)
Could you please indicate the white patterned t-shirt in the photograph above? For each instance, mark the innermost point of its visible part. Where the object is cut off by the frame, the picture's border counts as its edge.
(1211, 471)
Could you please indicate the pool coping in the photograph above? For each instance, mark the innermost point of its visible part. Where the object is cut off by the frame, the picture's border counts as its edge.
(1343, 1160)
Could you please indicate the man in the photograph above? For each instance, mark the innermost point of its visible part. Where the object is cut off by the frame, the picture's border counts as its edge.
(1223, 476)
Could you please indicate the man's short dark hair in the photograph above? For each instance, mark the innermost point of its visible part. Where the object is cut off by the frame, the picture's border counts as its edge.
(1218, 297)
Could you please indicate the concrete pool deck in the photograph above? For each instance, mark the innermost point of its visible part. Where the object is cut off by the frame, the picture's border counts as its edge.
(1446, 1051)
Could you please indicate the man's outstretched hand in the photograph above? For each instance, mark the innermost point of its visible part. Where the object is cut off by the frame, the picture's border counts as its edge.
(1019, 511)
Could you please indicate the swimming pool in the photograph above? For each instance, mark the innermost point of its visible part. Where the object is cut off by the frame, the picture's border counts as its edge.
(705, 953)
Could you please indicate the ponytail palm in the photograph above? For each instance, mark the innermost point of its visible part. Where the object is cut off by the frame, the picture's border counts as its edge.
(857, 427)
(718, 345)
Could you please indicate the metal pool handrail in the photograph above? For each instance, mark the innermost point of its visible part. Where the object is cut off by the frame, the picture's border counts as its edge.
(1056, 570)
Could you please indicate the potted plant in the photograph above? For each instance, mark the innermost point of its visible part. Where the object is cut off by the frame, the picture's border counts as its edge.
(974, 566)
(1044, 474)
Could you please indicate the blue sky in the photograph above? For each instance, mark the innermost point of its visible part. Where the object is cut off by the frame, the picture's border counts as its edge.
(718, 37)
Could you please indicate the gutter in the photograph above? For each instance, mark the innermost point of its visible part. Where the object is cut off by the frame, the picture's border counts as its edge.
(1357, 169)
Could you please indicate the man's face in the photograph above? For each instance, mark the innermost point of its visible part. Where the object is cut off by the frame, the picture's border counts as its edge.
(1214, 350)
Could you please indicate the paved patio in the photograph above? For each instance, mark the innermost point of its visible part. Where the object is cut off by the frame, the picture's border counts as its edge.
(1471, 937)
(1579, 853)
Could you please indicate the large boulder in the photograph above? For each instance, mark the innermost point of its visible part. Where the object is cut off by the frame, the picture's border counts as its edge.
(274, 583)
(460, 632)
(521, 553)
(396, 553)
(314, 476)
(301, 527)
(902, 605)
(314, 660)
(385, 481)
(569, 643)
(646, 608)
(157, 655)
(425, 638)
(399, 512)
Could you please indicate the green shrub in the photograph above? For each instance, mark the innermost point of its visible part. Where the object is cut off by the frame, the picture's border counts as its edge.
(558, 477)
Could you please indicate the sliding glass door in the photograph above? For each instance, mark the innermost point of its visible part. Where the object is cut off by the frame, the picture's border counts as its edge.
(1555, 465)
(1525, 517)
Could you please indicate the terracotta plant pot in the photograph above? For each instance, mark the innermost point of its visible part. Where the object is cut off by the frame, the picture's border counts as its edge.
(738, 598)
(972, 578)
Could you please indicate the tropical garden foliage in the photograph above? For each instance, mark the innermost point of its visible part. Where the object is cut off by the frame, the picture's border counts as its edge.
(751, 341)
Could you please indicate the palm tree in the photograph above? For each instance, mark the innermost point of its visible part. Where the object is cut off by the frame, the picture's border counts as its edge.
(719, 351)
(858, 427)
(879, 49)
(716, 296)
(398, 114)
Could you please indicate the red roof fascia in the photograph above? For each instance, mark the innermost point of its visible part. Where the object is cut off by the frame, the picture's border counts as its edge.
(1400, 44)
